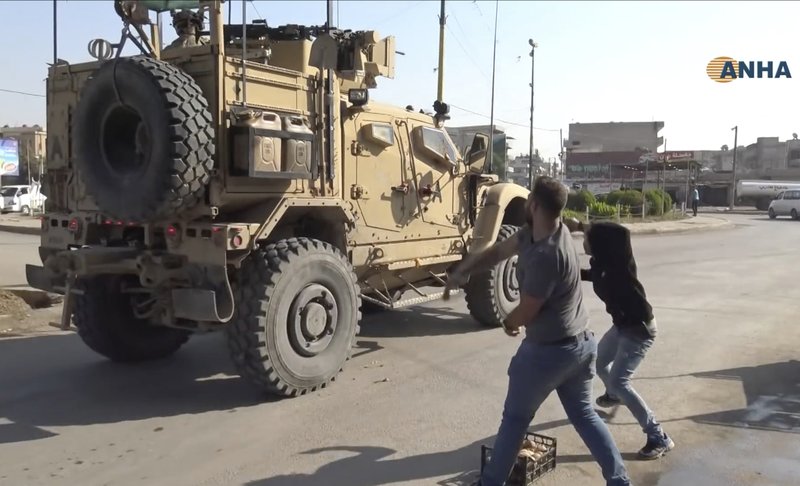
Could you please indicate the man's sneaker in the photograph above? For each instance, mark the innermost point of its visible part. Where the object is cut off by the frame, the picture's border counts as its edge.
(656, 447)
(607, 401)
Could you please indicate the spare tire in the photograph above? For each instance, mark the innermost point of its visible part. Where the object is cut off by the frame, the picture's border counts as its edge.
(144, 139)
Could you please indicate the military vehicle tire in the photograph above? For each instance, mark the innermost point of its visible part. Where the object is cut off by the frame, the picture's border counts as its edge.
(104, 318)
(492, 294)
(144, 139)
(298, 311)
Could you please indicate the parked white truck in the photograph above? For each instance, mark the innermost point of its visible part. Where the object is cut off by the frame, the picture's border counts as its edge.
(760, 193)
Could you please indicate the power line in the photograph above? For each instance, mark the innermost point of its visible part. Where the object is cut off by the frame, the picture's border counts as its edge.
(469, 56)
(399, 12)
(504, 121)
(22, 93)
(256, 9)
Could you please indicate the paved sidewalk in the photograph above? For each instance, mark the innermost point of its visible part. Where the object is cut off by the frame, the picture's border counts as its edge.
(15, 223)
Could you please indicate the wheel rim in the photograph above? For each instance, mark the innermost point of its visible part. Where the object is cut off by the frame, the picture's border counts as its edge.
(506, 285)
(312, 320)
(125, 141)
(510, 282)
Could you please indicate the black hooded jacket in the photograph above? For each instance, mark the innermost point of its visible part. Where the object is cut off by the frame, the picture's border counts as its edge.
(613, 275)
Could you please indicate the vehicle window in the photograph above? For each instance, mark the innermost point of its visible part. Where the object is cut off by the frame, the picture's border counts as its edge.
(8, 191)
(779, 196)
(23, 191)
(437, 142)
(380, 133)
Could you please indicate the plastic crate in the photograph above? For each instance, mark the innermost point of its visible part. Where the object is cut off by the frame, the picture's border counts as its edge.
(527, 470)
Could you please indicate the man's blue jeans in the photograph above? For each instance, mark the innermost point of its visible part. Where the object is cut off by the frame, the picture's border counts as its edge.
(536, 371)
(618, 356)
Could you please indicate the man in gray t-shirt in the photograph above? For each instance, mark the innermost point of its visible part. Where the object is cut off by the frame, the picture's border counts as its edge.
(558, 352)
(549, 269)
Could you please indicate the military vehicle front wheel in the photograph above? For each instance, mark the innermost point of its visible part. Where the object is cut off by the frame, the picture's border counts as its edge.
(297, 316)
(492, 295)
(105, 321)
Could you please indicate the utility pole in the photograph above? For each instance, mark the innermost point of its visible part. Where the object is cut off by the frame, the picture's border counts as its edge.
(562, 157)
(440, 86)
(732, 198)
(491, 116)
(531, 151)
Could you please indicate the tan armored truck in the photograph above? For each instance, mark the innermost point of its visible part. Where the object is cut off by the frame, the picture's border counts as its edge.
(191, 191)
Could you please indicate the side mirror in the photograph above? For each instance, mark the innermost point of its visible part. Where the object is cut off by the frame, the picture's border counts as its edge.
(476, 156)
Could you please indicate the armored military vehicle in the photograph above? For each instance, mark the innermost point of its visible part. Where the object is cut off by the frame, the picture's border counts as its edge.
(241, 179)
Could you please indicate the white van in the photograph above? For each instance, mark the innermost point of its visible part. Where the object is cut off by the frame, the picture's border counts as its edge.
(20, 199)
(786, 203)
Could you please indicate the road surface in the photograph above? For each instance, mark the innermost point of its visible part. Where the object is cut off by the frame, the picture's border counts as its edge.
(425, 390)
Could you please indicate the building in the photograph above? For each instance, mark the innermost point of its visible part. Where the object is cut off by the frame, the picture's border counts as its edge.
(518, 169)
(614, 137)
(32, 143)
(608, 152)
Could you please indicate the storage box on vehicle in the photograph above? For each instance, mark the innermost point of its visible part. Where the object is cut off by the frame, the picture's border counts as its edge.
(298, 152)
(265, 150)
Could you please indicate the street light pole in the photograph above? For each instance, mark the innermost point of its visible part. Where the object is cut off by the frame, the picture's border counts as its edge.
(491, 117)
(732, 198)
(530, 152)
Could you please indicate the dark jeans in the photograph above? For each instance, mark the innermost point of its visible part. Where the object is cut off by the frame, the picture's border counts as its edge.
(536, 371)
(694, 207)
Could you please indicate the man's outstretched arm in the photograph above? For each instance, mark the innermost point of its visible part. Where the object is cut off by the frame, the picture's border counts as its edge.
(476, 262)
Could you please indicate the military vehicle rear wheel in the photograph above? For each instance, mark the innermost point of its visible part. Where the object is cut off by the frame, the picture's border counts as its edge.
(106, 323)
(297, 314)
(144, 139)
(492, 295)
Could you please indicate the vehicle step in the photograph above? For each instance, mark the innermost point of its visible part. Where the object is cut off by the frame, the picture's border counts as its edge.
(409, 302)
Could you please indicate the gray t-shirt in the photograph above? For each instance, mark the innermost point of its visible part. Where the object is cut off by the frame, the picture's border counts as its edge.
(549, 269)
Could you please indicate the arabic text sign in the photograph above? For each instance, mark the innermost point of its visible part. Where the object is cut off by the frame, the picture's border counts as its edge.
(9, 157)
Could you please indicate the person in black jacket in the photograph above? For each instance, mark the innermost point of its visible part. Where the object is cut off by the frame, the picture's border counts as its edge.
(613, 275)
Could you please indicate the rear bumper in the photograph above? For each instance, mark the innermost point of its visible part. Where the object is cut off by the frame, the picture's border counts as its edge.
(197, 292)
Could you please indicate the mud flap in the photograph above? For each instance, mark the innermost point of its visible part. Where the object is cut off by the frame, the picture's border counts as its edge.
(40, 279)
(205, 305)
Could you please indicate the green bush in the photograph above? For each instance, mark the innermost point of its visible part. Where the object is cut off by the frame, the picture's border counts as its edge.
(667, 200)
(655, 203)
(602, 210)
(579, 201)
(658, 202)
(603, 198)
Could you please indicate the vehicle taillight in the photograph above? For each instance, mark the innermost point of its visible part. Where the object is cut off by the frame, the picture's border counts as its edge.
(173, 232)
(74, 225)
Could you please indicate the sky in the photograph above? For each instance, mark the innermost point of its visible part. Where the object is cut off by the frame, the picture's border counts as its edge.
(596, 61)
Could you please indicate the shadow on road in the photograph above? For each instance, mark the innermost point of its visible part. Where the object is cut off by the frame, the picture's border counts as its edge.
(55, 380)
(419, 322)
(372, 466)
(773, 398)
(772, 392)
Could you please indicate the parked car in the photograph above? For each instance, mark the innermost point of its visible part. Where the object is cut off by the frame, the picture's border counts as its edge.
(21, 199)
(786, 203)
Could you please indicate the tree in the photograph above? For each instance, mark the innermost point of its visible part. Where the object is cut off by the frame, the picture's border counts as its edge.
(724, 148)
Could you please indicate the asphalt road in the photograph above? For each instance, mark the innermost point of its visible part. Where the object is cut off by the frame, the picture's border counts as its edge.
(425, 390)
(15, 251)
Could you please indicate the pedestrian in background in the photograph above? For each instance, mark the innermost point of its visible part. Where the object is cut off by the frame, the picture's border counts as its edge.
(695, 199)
(621, 350)
(558, 352)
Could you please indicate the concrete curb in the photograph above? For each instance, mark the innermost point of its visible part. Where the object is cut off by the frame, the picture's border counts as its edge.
(653, 229)
(21, 230)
